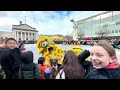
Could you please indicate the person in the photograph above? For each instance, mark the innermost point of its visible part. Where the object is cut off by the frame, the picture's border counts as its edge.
(42, 66)
(28, 69)
(103, 64)
(70, 68)
(54, 66)
(11, 43)
(3, 43)
(22, 47)
(47, 73)
(10, 59)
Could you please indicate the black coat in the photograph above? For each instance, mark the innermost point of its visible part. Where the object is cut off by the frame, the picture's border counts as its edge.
(10, 61)
(92, 73)
(28, 69)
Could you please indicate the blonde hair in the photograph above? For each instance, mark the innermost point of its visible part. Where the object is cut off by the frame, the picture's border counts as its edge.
(108, 47)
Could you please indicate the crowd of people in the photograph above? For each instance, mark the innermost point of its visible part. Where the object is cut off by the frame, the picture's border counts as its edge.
(17, 63)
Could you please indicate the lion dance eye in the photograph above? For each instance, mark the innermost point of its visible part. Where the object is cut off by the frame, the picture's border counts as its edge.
(44, 44)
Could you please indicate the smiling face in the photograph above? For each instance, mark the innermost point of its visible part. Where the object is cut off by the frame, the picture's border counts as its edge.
(100, 57)
(11, 44)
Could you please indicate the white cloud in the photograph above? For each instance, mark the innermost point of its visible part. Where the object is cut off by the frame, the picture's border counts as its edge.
(46, 22)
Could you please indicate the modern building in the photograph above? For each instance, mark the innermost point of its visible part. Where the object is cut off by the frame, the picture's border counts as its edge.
(24, 32)
(105, 24)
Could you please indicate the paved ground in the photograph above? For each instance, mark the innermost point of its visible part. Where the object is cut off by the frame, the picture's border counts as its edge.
(33, 48)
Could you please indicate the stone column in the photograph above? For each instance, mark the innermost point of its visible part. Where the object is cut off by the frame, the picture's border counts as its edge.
(25, 35)
(34, 36)
(29, 36)
(17, 36)
(21, 36)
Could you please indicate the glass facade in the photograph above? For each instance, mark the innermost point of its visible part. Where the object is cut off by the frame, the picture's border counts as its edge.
(108, 21)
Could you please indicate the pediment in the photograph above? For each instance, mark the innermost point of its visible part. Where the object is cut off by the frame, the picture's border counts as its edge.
(24, 26)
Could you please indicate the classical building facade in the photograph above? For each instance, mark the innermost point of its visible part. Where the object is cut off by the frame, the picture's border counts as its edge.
(24, 32)
(107, 22)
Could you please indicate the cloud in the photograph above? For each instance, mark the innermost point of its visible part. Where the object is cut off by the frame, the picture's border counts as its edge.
(46, 22)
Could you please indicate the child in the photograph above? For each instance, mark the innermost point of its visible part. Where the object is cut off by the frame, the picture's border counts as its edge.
(42, 66)
(103, 64)
(22, 47)
(28, 69)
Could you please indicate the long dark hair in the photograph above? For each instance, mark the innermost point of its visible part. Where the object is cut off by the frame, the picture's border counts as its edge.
(71, 66)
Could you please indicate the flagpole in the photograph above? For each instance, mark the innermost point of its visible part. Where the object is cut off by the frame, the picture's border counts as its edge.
(25, 19)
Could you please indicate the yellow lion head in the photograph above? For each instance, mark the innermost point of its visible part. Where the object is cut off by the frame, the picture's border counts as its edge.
(49, 49)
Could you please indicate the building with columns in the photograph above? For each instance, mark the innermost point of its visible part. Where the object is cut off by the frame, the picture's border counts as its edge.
(24, 32)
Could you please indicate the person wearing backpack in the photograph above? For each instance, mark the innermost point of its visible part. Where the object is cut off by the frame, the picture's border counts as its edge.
(28, 69)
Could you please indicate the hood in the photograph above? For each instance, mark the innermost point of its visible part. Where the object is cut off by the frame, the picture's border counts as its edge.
(27, 57)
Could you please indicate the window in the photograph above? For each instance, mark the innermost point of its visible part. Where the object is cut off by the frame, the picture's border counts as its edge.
(116, 31)
(118, 22)
(112, 31)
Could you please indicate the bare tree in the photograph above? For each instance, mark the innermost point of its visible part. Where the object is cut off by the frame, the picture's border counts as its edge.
(103, 32)
(68, 36)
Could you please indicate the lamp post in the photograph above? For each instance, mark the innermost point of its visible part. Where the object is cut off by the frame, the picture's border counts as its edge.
(74, 29)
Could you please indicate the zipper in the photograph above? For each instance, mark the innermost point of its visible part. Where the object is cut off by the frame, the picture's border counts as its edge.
(89, 73)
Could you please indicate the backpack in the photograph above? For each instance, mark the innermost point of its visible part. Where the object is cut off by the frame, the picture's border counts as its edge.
(2, 73)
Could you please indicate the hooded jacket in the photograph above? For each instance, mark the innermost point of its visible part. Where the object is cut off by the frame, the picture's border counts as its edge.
(28, 69)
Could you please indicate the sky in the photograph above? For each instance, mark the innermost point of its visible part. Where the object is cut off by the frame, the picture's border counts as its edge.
(46, 22)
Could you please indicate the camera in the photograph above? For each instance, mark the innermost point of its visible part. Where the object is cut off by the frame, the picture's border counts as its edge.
(82, 56)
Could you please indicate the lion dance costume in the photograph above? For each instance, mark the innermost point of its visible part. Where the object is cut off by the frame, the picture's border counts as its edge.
(48, 49)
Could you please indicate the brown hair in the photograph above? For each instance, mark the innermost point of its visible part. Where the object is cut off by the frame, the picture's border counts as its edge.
(71, 66)
(108, 47)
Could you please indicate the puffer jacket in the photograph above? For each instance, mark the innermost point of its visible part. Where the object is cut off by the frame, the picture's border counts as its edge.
(28, 69)
(92, 73)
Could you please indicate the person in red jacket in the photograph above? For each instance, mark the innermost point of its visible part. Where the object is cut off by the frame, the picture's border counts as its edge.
(42, 66)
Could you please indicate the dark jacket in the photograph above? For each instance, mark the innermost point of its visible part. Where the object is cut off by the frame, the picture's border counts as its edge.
(92, 73)
(10, 61)
(28, 69)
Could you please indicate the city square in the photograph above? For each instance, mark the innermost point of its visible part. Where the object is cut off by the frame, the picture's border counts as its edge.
(33, 48)
(59, 44)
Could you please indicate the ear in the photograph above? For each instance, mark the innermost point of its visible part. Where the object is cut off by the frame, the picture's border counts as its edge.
(113, 58)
